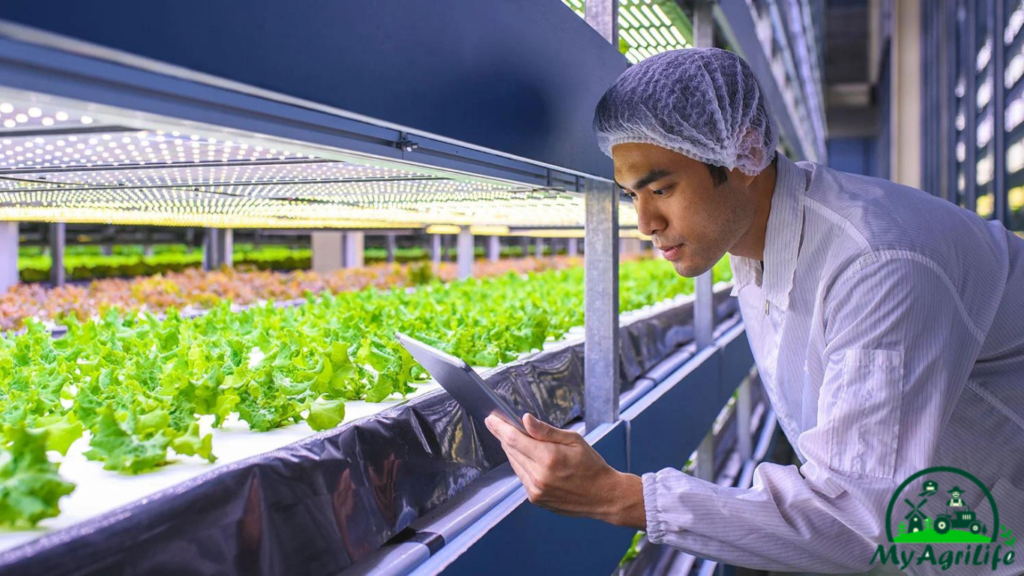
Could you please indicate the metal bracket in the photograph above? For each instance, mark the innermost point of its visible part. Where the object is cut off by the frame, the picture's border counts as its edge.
(405, 144)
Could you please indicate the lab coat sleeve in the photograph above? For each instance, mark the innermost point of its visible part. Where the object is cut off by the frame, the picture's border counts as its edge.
(899, 347)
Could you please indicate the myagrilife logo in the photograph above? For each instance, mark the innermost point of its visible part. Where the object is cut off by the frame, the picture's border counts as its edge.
(938, 516)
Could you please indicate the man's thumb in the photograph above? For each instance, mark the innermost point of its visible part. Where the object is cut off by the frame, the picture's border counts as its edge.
(546, 432)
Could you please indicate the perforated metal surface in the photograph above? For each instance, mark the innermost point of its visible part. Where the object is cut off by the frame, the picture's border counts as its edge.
(65, 161)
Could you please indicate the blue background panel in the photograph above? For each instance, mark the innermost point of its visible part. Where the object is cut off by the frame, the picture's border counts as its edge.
(532, 540)
(737, 360)
(519, 77)
(667, 431)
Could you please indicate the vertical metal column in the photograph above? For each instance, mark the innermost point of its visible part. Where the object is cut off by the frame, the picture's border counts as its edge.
(392, 245)
(218, 247)
(573, 248)
(57, 242)
(603, 16)
(1001, 211)
(703, 24)
(538, 247)
(326, 246)
(706, 458)
(927, 95)
(211, 239)
(211, 249)
(494, 248)
(969, 56)
(703, 306)
(949, 162)
(109, 237)
(227, 247)
(524, 243)
(435, 248)
(745, 443)
(8, 255)
(601, 304)
(465, 253)
(352, 250)
(703, 311)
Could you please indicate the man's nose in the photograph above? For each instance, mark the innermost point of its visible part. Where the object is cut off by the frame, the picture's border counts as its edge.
(649, 219)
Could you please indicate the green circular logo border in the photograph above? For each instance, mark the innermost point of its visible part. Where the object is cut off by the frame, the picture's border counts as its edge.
(968, 475)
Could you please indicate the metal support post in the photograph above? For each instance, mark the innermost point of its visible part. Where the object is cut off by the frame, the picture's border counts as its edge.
(392, 246)
(352, 250)
(218, 248)
(538, 247)
(970, 164)
(703, 24)
(58, 231)
(601, 304)
(465, 253)
(435, 249)
(327, 251)
(211, 249)
(494, 248)
(706, 458)
(574, 247)
(109, 237)
(1001, 210)
(8, 255)
(744, 441)
(704, 311)
(524, 242)
(603, 16)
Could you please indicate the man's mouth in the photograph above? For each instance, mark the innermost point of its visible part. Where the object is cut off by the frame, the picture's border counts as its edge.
(671, 252)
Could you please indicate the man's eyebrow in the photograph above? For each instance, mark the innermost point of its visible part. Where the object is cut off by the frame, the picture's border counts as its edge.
(652, 176)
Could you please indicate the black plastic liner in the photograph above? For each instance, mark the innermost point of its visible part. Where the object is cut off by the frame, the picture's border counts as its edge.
(319, 505)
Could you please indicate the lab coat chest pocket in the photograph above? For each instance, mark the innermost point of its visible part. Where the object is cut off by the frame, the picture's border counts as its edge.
(866, 413)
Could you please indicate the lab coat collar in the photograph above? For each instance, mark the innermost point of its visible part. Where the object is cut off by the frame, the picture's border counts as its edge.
(782, 238)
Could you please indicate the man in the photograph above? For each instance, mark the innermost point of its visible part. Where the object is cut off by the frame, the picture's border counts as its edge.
(887, 326)
(955, 501)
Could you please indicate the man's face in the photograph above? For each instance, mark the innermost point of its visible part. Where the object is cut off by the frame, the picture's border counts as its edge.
(692, 221)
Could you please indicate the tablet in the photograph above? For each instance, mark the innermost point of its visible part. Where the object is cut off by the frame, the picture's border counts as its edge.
(463, 383)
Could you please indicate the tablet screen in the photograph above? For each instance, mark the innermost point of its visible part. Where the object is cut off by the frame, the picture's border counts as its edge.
(463, 383)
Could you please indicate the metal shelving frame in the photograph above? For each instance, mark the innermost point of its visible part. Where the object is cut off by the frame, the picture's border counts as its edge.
(968, 51)
(62, 56)
(36, 61)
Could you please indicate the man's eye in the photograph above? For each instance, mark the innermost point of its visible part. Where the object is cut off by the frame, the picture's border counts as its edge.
(631, 195)
(658, 192)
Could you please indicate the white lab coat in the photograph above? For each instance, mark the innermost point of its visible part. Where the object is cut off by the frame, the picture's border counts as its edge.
(888, 330)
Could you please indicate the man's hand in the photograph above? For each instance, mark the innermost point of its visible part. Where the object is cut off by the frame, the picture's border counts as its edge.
(564, 474)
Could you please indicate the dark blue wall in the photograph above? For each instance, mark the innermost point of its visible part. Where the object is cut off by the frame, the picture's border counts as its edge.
(515, 76)
(857, 155)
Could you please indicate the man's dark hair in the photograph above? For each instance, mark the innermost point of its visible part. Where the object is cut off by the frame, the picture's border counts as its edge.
(719, 175)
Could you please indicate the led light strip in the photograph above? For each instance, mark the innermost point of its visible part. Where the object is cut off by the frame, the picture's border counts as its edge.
(58, 164)
(648, 27)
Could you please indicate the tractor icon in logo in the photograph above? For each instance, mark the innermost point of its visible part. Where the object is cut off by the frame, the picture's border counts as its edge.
(957, 522)
(957, 519)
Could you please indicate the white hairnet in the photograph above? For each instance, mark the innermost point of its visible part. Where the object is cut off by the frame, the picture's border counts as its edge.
(704, 103)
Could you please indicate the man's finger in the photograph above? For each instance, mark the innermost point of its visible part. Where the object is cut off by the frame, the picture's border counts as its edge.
(511, 437)
(547, 432)
(522, 471)
(501, 429)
